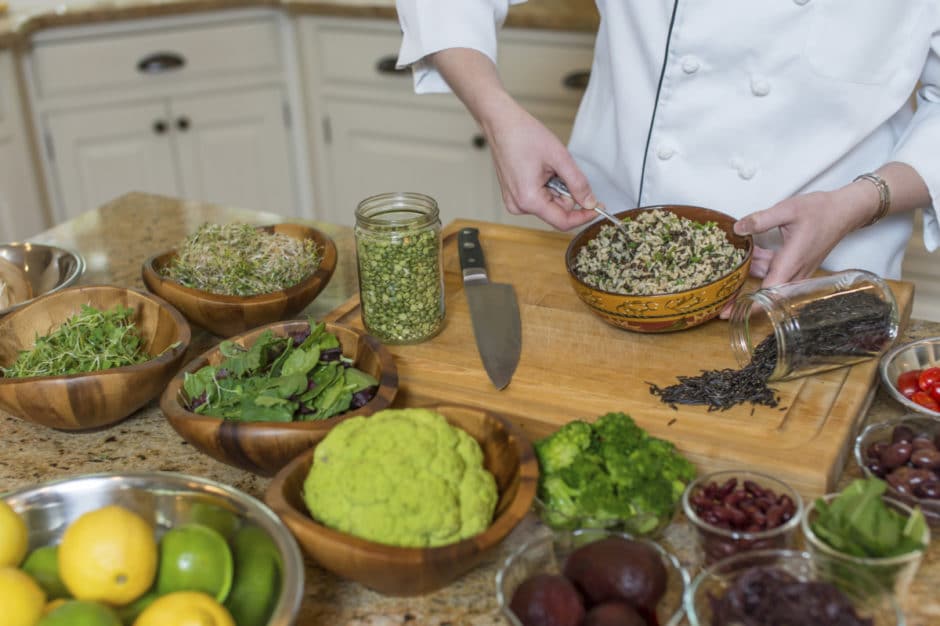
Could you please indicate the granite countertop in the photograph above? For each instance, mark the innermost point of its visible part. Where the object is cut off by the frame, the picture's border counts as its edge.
(115, 240)
(19, 24)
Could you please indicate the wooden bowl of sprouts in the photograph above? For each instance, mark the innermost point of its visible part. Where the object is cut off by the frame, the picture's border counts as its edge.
(87, 357)
(234, 277)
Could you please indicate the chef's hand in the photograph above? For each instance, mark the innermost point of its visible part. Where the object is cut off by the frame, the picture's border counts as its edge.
(526, 155)
(525, 152)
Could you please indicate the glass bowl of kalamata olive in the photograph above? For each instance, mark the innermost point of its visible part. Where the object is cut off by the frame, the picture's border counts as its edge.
(905, 453)
(736, 511)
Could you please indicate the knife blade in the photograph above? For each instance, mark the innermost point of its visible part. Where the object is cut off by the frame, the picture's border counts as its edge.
(494, 311)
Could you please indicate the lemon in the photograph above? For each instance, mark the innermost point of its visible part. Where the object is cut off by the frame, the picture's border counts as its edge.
(80, 613)
(108, 555)
(257, 577)
(14, 537)
(185, 608)
(43, 565)
(129, 612)
(21, 598)
(194, 557)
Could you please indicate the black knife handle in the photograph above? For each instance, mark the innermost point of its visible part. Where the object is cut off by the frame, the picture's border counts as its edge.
(469, 250)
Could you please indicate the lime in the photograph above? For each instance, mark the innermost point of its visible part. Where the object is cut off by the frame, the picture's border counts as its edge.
(194, 557)
(14, 536)
(108, 555)
(80, 613)
(185, 608)
(21, 598)
(43, 565)
(215, 517)
(257, 577)
(129, 612)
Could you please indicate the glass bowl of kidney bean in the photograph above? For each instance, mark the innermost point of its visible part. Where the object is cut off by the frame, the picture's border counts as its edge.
(735, 511)
(905, 453)
(910, 373)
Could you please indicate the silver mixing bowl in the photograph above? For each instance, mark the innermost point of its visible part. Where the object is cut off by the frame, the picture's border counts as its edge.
(914, 355)
(165, 499)
(47, 268)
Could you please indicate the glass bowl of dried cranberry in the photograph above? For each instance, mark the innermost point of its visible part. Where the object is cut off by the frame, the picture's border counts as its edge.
(905, 453)
(734, 511)
(787, 587)
(910, 373)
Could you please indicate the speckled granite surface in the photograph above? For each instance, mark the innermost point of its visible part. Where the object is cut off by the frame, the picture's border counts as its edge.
(115, 241)
(16, 27)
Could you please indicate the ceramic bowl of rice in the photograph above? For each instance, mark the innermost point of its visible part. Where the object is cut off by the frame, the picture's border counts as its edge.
(677, 268)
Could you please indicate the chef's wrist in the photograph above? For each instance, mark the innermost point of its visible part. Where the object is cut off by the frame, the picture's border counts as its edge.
(870, 198)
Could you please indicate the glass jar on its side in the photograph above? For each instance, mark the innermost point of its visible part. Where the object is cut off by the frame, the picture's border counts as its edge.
(401, 278)
(813, 325)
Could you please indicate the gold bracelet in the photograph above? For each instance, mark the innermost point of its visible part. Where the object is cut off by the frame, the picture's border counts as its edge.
(884, 193)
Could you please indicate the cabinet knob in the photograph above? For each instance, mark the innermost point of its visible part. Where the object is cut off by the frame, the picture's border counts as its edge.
(386, 65)
(160, 62)
(577, 80)
(183, 123)
(479, 142)
(159, 127)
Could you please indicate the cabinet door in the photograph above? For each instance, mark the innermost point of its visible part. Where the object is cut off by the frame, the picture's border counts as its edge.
(102, 153)
(397, 147)
(233, 149)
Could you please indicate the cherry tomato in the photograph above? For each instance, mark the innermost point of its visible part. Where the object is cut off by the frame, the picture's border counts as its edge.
(923, 398)
(908, 383)
(928, 378)
(935, 393)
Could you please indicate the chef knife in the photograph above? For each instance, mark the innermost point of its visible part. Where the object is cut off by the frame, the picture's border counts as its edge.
(494, 311)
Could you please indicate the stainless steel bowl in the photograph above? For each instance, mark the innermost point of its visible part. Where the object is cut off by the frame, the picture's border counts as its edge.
(165, 499)
(915, 355)
(47, 268)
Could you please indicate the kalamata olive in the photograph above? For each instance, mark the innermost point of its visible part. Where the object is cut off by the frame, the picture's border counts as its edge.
(902, 432)
(927, 458)
(936, 441)
(876, 468)
(896, 455)
(875, 449)
(928, 489)
(923, 440)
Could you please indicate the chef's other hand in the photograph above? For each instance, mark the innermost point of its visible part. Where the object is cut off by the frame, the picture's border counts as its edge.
(526, 155)
(810, 225)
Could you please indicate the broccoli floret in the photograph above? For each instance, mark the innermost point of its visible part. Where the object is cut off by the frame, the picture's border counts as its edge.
(610, 473)
(562, 447)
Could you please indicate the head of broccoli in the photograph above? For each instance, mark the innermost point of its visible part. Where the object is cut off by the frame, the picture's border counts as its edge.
(610, 473)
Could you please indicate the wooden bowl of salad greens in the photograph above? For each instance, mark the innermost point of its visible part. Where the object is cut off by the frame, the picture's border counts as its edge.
(230, 278)
(259, 399)
(87, 357)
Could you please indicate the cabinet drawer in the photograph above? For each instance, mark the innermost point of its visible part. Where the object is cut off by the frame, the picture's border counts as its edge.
(364, 56)
(134, 59)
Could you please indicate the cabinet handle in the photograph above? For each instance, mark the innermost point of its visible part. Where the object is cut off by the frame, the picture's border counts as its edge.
(386, 65)
(479, 142)
(183, 123)
(577, 80)
(159, 127)
(160, 62)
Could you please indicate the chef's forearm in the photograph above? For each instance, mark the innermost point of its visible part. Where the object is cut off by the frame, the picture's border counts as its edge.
(907, 189)
(473, 77)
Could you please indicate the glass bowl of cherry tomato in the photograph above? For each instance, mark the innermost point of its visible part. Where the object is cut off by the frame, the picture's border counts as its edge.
(911, 374)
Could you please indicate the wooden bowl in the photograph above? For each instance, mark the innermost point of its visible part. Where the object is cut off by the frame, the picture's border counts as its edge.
(230, 315)
(265, 447)
(663, 312)
(95, 399)
(412, 571)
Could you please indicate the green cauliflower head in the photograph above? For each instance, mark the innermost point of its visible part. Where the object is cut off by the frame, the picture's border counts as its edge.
(402, 477)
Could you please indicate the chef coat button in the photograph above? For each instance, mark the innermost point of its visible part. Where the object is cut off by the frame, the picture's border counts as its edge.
(760, 87)
(665, 152)
(690, 64)
(746, 172)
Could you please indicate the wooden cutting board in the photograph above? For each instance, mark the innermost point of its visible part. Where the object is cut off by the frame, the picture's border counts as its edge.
(575, 366)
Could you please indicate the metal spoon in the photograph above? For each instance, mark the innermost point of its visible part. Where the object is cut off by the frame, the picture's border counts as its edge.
(558, 186)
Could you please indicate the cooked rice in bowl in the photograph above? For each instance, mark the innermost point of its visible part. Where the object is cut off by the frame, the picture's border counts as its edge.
(664, 253)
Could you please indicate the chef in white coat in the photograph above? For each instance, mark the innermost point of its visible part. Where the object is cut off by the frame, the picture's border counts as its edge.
(794, 115)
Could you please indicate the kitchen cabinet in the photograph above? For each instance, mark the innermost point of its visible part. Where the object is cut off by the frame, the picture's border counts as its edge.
(197, 108)
(369, 132)
(22, 213)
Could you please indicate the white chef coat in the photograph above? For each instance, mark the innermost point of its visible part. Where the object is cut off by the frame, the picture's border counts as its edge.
(738, 104)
